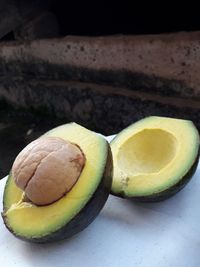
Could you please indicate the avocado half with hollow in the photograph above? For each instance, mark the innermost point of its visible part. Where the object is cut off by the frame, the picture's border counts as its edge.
(154, 158)
(73, 211)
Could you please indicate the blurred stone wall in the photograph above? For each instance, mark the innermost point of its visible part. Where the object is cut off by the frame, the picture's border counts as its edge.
(105, 83)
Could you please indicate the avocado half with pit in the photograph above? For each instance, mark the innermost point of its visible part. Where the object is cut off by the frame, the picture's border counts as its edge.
(154, 158)
(75, 210)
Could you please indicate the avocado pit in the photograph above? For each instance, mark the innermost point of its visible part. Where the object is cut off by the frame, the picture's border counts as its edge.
(47, 169)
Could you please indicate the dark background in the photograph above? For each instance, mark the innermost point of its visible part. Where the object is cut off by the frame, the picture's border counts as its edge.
(128, 17)
(95, 18)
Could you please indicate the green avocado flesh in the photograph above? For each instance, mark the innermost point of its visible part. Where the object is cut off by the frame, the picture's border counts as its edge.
(37, 223)
(153, 156)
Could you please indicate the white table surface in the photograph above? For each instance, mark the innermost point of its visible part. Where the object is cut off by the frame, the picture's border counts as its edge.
(164, 234)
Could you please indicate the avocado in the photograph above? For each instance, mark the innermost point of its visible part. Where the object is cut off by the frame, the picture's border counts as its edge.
(154, 158)
(72, 212)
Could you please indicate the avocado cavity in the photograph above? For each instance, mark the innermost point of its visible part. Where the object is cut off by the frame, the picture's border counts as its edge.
(148, 151)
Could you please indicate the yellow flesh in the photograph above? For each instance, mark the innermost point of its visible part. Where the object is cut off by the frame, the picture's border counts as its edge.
(152, 155)
(147, 152)
(34, 221)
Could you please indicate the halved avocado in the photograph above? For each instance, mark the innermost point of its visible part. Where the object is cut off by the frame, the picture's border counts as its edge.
(78, 208)
(154, 158)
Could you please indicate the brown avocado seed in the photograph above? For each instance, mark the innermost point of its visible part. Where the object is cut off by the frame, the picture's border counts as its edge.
(47, 169)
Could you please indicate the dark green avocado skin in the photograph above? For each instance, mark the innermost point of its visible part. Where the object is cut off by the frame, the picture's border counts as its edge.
(86, 215)
(168, 192)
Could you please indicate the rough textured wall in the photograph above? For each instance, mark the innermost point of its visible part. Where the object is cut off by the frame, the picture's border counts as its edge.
(105, 83)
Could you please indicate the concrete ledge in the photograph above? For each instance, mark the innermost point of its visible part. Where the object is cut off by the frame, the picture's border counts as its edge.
(165, 64)
(105, 83)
